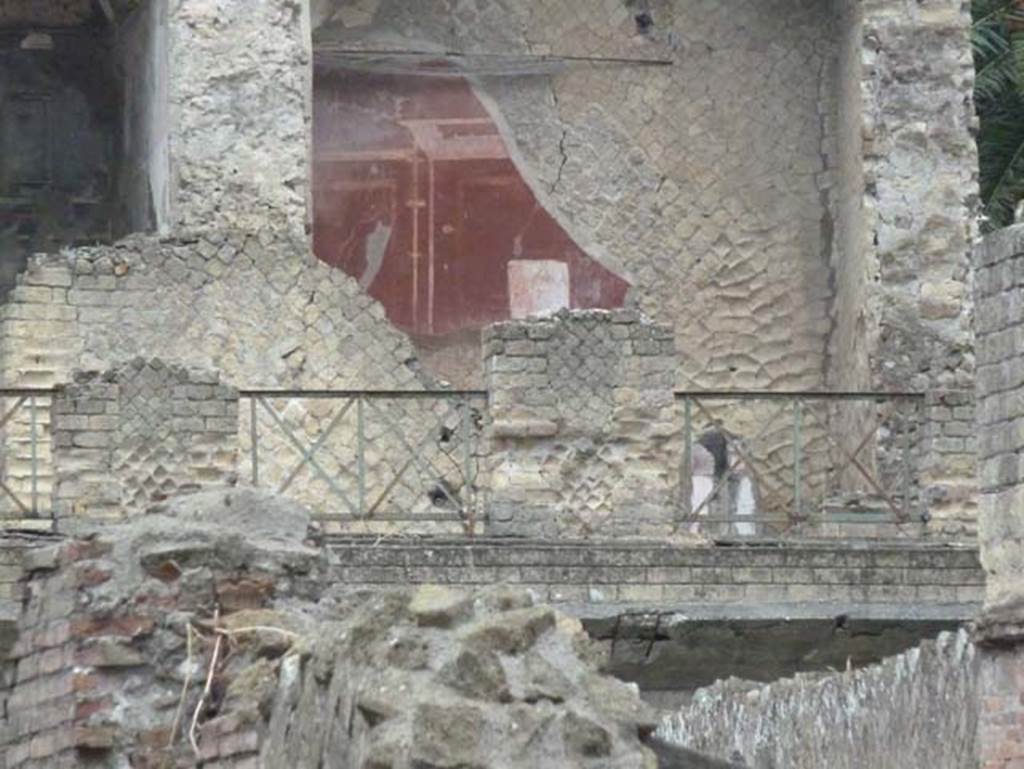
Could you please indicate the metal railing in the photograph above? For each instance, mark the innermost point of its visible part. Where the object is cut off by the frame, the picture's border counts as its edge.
(26, 470)
(749, 463)
(756, 463)
(375, 461)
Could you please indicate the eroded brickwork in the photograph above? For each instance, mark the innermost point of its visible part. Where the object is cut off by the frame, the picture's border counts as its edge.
(136, 435)
(1000, 739)
(1000, 424)
(949, 463)
(707, 222)
(1000, 328)
(121, 630)
(254, 306)
(583, 427)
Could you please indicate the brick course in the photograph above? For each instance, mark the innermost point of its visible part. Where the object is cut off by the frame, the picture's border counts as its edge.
(137, 434)
(1000, 429)
(642, 574)
(583, 433)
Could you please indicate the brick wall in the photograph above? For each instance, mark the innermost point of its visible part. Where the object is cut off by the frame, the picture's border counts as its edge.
(948, 464)
(639, 575)
(140, 433)
(1000, 329)
(103, 649)
(1001, 719)
(1000, 426)
(583, 431)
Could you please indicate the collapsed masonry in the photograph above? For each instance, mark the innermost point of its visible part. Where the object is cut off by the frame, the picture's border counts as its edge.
(175, 639)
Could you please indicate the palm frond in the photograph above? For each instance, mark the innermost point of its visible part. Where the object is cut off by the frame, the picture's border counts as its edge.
(1001, 151)
(998, 42)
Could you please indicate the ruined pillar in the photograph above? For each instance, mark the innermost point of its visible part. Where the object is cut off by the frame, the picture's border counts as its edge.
(1000, 387)
(583, 430)
(137, 434)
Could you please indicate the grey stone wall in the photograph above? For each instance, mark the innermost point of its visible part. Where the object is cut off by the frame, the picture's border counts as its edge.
(742, 189)
(138, 434)
(705, 183)
(583, 434)
(1000, 425)
(903, 273)
(917, 710)
(904, 208)
(255, 306)
(632, 576)
(239, 111)
(1000, 386)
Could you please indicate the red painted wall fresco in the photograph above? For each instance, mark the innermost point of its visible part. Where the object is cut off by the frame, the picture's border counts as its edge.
(416, 197)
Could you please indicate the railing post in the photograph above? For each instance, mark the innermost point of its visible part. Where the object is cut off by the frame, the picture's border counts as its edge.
(467, 463)
(254, 438)
(361, 454)
(905, 419)
(686, 471)
(33, 437)
(798, 416)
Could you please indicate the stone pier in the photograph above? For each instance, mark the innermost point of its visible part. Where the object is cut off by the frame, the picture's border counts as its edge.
(583, 437)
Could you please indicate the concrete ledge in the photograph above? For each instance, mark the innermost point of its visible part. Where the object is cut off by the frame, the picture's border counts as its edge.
(599, 579)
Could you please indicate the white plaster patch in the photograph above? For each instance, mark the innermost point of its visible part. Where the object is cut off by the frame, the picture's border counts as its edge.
(537, 286)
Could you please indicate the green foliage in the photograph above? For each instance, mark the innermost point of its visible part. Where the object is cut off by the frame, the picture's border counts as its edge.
(998, 40)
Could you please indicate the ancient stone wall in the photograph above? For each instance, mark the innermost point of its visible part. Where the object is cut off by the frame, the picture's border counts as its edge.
(916, 711)
(704, 184)
(255, 306)
(1000, 328)
(233, 260)
(903, 305)
(583, 432)
(757, 221)
(1000, 426)
(138, 434)
(239, 114)
(216, 128)
(121, 631)
(903, 230)
(608, 577)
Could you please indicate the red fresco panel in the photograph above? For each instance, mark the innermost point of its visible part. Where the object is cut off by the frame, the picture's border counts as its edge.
(416, 197)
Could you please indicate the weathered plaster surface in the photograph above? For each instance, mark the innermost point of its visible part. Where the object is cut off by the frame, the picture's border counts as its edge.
(239, 114)
(702, 183)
